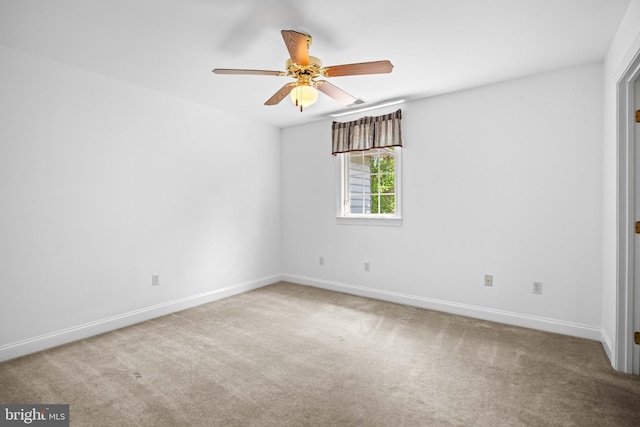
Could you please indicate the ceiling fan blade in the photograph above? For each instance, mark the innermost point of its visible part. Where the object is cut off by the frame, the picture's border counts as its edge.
(281, 94)
(297, 46)
(334, 92)
(251, 72)
(375, 67)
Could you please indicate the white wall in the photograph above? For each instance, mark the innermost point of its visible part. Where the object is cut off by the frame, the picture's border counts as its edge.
(103, 184)
(624, 47)
(503, 180)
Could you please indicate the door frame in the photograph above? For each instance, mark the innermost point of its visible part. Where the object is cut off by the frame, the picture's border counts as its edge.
(626, 217)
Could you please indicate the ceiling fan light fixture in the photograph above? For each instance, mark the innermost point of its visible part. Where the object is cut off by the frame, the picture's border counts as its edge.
(304, 95)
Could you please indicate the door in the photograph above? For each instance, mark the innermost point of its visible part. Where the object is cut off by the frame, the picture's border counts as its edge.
(636, 267)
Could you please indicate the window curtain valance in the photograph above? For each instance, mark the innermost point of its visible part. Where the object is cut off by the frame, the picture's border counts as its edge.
(367, 133)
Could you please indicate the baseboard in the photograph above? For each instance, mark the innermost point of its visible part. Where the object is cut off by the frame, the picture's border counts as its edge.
(54, 339)
(510, 318)
(606, 344)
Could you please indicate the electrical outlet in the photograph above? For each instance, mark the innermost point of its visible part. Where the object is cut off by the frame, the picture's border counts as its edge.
(155, 279)
(321, 260)
(367, 266)
(537, 287)
(488, 280)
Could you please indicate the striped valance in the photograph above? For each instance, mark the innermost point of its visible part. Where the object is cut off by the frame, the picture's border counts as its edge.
(367, 133)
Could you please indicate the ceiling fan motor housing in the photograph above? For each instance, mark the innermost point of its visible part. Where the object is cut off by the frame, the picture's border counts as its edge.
(314, 69)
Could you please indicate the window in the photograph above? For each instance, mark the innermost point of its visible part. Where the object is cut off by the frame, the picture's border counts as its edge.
(369, 150)
(370, 182)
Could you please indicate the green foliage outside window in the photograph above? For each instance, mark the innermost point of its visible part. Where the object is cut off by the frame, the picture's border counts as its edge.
(383, 185)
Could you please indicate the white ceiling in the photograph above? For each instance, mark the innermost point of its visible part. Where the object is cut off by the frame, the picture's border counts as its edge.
(436, 46)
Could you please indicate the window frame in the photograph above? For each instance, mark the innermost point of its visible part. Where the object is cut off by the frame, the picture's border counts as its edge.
(343, 217)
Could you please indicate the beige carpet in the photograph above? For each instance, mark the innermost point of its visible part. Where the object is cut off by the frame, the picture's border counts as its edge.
(290, 355)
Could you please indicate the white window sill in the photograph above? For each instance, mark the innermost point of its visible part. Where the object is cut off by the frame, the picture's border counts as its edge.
(378, 220)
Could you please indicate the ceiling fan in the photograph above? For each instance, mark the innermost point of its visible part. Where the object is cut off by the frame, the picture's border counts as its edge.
(305, 69)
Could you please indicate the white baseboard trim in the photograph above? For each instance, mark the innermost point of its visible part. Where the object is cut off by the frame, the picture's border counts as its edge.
(606, 344)
(54, 339)
(499, 316)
